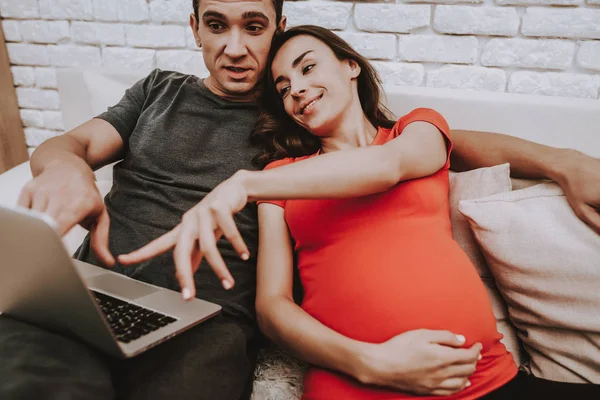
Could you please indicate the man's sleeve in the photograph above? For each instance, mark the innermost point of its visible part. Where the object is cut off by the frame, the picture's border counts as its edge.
(124, 115)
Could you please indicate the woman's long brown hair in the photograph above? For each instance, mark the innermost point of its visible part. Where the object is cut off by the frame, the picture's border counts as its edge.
(277, 135)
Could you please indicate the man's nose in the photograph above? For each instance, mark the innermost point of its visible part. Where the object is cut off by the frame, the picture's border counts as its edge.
(235, 46)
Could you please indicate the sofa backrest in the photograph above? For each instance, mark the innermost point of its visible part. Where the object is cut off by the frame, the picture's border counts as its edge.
(554, 121)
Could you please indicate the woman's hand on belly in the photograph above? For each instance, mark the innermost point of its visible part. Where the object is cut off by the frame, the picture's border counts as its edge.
(423, 362)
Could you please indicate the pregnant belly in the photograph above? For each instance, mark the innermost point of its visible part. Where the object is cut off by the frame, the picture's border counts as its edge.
(377, 292)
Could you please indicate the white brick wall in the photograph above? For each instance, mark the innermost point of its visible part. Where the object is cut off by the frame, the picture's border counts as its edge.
(66, 9)
(391, 18)
(74, 56)
(45, 78)
(460, 20)
(23, 76)
(376, 46)
(555, 84)
(549, 47)
(118, 57)
(438, 49)
(589, 55)
(20, 9)
(39, 31)
(98, 33)
(575, 23)
(468, 77)
(12, 33)
(329, 15)
(528, 53)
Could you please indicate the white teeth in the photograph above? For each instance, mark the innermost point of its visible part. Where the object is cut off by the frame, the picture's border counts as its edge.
(310, 105)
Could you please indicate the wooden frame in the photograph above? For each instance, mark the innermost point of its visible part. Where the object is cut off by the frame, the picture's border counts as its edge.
(13, 150)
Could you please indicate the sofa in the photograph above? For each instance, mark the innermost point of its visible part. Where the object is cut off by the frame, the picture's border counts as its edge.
(547, 313)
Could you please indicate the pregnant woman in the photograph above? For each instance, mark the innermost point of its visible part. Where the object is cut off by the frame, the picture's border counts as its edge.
(375, 266)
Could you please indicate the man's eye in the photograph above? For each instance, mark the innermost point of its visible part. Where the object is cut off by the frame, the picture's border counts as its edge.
(215, 26)
(255, 28)
(306, 69)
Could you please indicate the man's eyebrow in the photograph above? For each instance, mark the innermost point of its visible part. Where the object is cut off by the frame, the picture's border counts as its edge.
(213, 14)
(294, 65)
(255, 15)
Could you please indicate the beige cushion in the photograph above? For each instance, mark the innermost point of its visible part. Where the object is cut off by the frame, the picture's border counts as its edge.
(105, 89)
(546, 263)
(473, 185)
(470, 185)
(86, 93)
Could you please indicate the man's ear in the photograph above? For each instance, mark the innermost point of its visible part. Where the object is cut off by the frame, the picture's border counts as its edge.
(194, 27)
(282, 25)
(354, 69)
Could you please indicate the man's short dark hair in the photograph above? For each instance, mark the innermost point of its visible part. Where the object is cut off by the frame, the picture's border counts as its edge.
(278, 4)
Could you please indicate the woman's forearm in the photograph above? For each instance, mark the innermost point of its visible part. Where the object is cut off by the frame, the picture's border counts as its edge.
(340, 174)
(527, 159)
(295, 330)
(420, 151)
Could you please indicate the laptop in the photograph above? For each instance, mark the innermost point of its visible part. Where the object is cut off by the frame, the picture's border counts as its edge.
(42, 285)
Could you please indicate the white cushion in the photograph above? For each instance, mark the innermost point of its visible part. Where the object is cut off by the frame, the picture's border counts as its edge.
(11, 183)
(546, 263)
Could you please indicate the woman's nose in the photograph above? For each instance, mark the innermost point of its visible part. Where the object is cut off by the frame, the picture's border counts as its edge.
(297, 92)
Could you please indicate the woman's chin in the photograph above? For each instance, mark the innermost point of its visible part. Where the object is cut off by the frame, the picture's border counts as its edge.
(320, 126)
(317, 130)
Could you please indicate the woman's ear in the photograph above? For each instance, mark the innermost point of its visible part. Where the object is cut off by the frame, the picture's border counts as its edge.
(354, 69)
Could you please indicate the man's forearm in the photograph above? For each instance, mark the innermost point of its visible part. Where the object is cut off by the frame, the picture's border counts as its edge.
(527, 159)
(60, 150)
(302, 335)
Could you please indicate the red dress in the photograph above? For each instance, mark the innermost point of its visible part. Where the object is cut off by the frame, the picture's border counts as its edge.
(380, 265)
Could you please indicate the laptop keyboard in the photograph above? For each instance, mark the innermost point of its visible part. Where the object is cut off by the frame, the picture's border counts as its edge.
(129, 321)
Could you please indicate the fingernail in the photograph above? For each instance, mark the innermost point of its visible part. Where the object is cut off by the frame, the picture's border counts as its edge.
(245, 256)
(479, 357)
(187, 294)
(468, 384)
(226, 284)
(461, 338)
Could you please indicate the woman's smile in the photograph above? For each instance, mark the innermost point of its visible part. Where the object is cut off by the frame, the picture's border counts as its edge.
(307, 108)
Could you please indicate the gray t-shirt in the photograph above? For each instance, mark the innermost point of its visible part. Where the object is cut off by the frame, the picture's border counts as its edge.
(181, 140)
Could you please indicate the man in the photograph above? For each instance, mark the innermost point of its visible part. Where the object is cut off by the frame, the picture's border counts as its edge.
(178, 137)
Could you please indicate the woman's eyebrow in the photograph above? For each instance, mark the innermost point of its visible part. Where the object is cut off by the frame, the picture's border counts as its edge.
(299, 59)
(294, 65)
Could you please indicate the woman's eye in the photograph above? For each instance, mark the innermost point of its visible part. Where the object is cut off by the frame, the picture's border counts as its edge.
(306, 69)
(283, 91)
